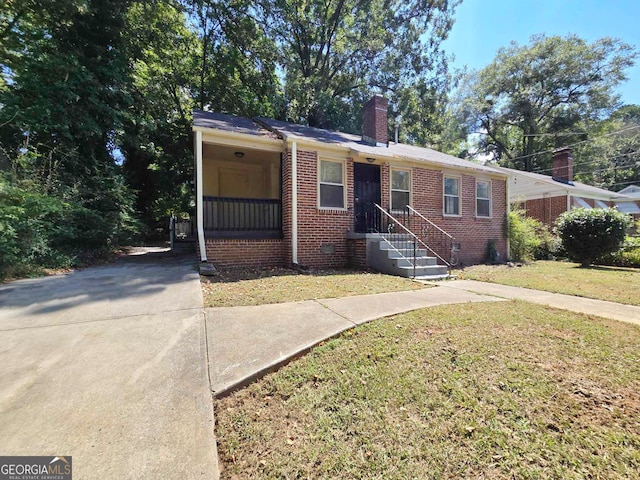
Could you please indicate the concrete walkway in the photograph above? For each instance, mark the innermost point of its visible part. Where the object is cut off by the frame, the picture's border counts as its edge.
(108, 365)
(246, 342)
(601, 308)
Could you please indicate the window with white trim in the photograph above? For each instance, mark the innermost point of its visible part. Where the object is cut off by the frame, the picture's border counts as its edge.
(483, 198)
(400, 189)
(451, 195)
(331, 184)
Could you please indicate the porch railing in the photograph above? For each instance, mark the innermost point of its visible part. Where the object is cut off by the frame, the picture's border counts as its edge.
(225, 214)
(442, 244)
(403, 241)
(418, 232)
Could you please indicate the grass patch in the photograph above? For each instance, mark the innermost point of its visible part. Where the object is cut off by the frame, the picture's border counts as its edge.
(500, 391)
(240, 287)
(615, 284)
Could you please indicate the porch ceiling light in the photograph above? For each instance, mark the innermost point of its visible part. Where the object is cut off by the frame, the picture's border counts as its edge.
(239, 154)
(371, 159)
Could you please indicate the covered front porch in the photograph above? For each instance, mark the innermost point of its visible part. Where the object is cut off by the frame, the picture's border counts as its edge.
(241, 192)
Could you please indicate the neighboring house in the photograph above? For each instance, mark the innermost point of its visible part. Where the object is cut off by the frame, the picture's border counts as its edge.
(631, 191)
(545, 197)
(632, 208)
(277, 193)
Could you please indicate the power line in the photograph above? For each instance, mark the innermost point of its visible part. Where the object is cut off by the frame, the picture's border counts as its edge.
(587, 162)
(574, 144)
(617, 167)
(628, 182)
(559, 134)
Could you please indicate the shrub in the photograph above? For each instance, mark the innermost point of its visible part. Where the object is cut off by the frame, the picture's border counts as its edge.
(524, 237)
(40, 230)
(627, 256)
(550, 247)
(491, 255)
(588, 234)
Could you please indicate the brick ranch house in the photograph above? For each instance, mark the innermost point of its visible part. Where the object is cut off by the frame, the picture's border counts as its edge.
(545, 197)
(272, 193)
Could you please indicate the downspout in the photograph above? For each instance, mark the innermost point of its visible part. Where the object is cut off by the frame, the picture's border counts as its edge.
(568, 201)
(294, 203)
(507, 189)
(199, 206)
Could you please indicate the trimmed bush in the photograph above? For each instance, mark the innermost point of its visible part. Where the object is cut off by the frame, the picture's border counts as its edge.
(588, 234)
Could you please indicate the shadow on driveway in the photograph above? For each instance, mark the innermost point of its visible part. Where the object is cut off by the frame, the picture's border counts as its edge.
(133, 285)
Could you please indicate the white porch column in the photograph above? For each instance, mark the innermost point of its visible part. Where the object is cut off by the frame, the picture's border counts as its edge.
(199, 190)
(294, 203)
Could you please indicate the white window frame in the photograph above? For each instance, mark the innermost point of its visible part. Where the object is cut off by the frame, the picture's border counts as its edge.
(342, 162)
(391, 189)
(489, 190)
(458, 178)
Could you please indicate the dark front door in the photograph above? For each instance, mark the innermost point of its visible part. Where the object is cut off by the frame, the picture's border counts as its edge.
(366, 193)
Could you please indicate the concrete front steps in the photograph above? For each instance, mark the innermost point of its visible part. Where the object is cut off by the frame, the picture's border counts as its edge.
(393, 255)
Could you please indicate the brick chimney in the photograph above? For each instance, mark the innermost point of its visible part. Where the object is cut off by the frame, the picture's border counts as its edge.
(563, 165)
(374, 121)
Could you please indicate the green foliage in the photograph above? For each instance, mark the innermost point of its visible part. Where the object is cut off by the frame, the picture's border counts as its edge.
(588, 234)
(335, 53)
(63, 197)
(39, 229)
(523, 234)
(28, 221)
(491, 254)
(530, 96)
(627, 256)
(550, 247)
(611, 160)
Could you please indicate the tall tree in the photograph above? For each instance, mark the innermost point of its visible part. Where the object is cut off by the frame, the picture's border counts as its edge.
(611, 157)
(335, 53)
(534, 97)
(61, 106)
(236, 63)
(186, 54)
(155, 138)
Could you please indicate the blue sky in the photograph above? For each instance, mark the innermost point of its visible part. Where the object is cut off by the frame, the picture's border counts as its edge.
(483, 26)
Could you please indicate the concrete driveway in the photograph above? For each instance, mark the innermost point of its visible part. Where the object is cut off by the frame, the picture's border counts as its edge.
(109, 365)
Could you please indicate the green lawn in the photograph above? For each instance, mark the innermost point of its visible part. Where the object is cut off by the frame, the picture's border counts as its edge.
(496, 391)
(616, 284)
(239, 287)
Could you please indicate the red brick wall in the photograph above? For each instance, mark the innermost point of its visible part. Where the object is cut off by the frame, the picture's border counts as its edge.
(546, 210)
(562, 164)
(317, 227)
(472, 233)
(374, 120)
(357, 253)
(322, 239)
(321, 233)
(385, 192)
(245, 253)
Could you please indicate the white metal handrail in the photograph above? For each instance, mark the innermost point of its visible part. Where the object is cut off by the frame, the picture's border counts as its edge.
(428, 221)
(418, 239)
